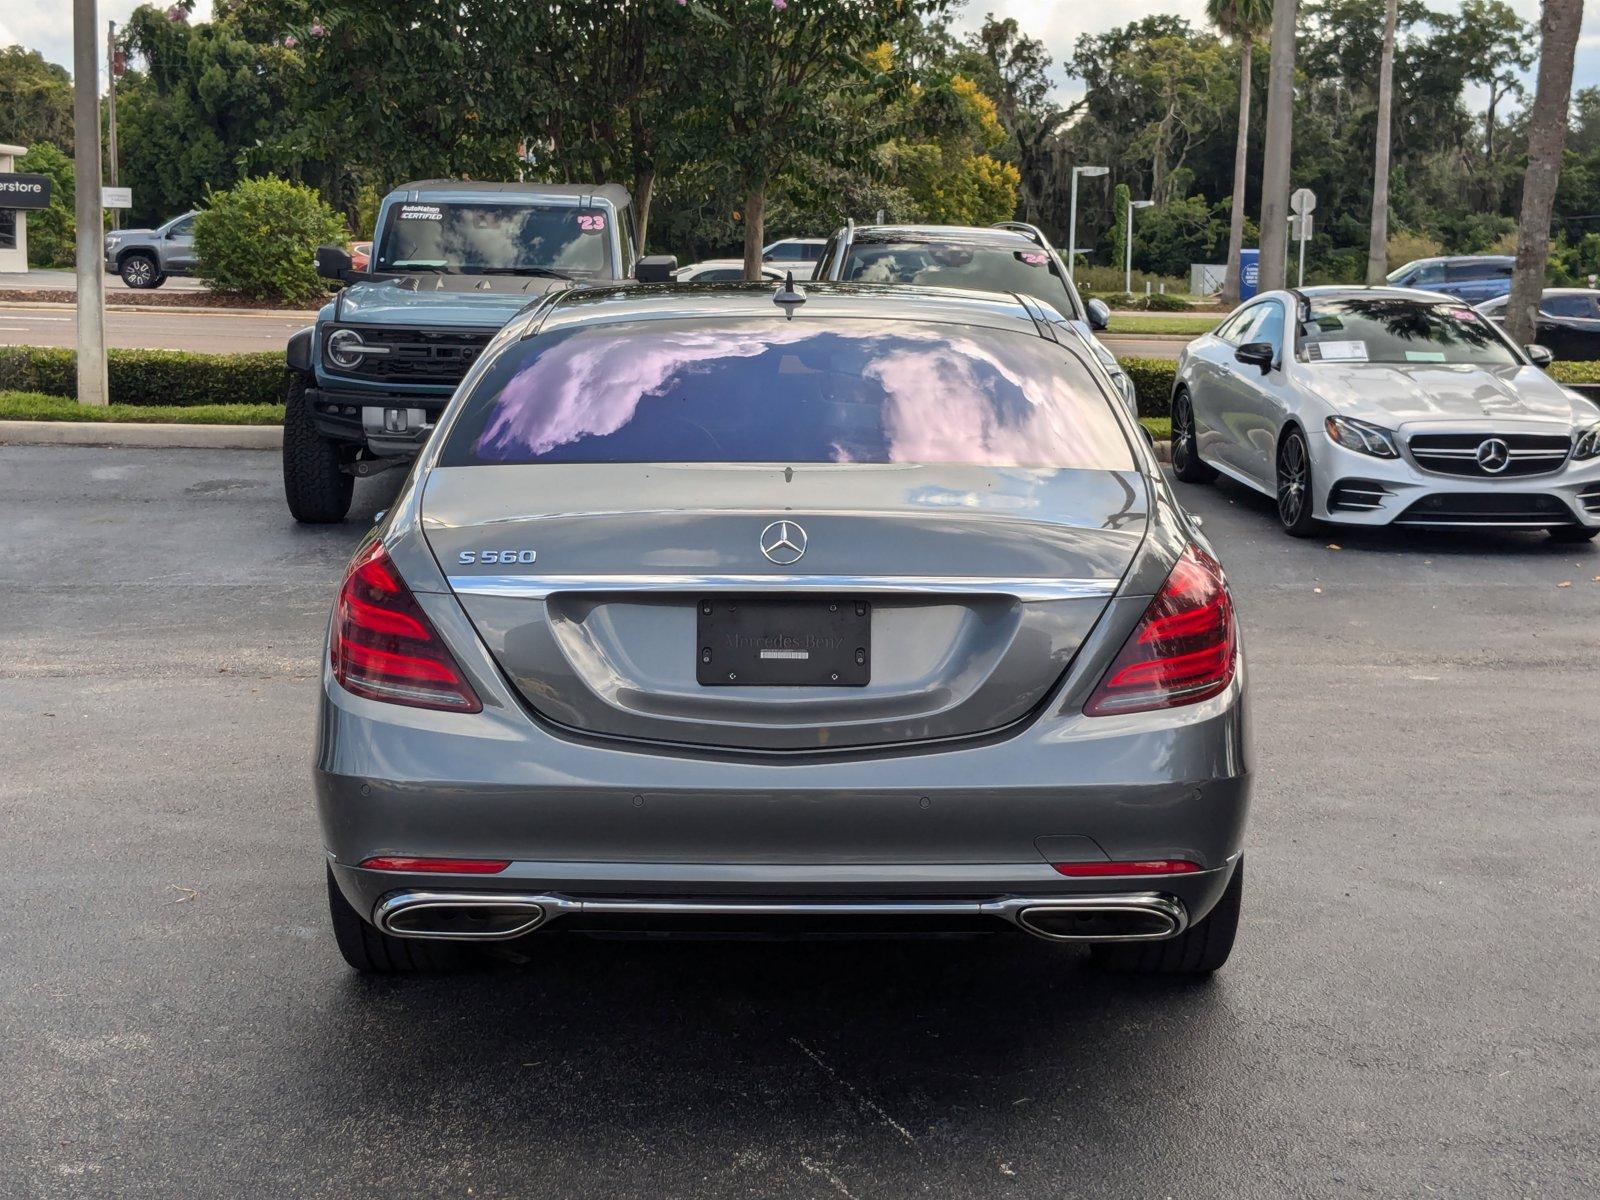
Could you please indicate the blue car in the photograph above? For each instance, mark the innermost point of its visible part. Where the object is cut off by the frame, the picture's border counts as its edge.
(1470, 277)
(451, 263)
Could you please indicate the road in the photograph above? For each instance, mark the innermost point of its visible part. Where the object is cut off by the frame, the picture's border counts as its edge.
(219, 333)
(1411, 1009)
(223, 332)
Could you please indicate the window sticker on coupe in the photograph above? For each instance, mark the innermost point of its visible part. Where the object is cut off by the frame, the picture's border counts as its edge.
(1388, 329)
(850, 392)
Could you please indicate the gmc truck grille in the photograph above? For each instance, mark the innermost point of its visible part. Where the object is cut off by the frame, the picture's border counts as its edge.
(419, 355)
(1523, 454)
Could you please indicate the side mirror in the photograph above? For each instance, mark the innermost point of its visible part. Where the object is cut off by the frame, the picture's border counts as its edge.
(655, 268)
(334, 262)
(1099, 314)
(1539, 356)
(1258, 354)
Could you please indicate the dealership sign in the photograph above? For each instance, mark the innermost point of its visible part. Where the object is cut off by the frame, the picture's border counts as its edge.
(24, 191)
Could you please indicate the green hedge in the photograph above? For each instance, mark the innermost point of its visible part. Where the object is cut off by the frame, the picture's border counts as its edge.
(1575, 372)
(151, 377)
(30, 406)
(1152, 380)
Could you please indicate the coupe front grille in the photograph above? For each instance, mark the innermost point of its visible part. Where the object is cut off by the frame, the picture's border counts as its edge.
(1506, 510)
(1457, 453)
(419, 355)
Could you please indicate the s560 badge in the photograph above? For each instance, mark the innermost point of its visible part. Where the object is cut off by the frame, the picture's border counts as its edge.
(503, 557)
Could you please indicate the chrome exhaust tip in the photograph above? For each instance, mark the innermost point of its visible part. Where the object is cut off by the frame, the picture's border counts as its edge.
(1140, 918)
(458, 916)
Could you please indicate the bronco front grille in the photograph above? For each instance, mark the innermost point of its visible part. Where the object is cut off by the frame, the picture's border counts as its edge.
(1458, 453)
(419, 355)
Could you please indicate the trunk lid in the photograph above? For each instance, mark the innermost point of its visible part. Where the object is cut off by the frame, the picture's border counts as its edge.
(586, 583)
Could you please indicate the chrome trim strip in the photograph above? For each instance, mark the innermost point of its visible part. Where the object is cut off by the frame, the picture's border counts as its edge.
(551, 907)
(539, 587)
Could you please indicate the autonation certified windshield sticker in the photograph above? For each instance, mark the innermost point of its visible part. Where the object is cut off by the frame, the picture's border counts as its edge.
(1338, 351)
(421, 212)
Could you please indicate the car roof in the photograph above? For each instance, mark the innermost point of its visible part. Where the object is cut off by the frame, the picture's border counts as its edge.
(877, 235)
(614, 193)
(1351, 291)
(604, 305)
(1461, 258)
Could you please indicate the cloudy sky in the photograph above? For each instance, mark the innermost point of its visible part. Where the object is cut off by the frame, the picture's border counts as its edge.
(46, 25)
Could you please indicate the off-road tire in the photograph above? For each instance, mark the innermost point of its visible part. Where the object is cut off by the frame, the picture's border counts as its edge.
(140, 271)
(315, 485)
(1184, 448)
(1198, 950)
(372, 952)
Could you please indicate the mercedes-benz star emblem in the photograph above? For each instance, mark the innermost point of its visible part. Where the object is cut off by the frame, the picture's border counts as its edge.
(1493, 455)
(783, 542)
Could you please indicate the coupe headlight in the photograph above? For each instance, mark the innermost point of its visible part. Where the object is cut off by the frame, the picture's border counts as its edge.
(1362, 437)
(1588, 445)
(346, 349)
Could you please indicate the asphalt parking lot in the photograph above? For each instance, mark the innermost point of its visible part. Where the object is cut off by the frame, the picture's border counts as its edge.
(1413, 1007)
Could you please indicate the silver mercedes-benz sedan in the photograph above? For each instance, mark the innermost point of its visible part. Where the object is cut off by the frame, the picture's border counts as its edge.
(1385, 406)
(720, 610)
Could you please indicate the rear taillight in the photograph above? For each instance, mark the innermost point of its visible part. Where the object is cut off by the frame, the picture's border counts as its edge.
(1184, 648)
(383, 646)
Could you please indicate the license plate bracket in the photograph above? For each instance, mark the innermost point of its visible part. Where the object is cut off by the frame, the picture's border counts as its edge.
(758, 641)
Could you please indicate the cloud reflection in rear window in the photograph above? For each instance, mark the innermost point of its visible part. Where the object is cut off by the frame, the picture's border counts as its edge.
(788, 392)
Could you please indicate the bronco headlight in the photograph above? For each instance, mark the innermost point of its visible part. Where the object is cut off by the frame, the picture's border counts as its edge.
(1362, 437)
(345, 349)
(1588, 445)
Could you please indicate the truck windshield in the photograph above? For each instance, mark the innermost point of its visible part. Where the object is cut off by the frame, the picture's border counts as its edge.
(1393, 330)
(756, 390)
(491, 239)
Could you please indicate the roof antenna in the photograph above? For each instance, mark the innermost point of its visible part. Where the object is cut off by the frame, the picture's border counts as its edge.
(788, 296)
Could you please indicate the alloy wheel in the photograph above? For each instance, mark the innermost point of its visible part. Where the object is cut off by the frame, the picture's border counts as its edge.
(1294, 477)
(1182, 433)
(138, 272)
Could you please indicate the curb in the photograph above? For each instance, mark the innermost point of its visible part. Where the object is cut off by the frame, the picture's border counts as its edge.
(150, 436)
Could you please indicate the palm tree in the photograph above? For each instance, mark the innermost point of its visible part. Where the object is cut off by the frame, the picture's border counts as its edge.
(1378, 244)
(1242, 21)
(1547, 136)
(1278, 149)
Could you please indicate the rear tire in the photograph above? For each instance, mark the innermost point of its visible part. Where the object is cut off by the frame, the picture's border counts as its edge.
(1295, 485)
(1198, 950)
(139, 271)
(1573, 533)
(1185, 449)
(314, 483)
(373, 952)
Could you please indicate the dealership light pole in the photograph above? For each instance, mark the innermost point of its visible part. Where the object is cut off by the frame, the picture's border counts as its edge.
(1072, 217)
(92, 386)
(1127, 242)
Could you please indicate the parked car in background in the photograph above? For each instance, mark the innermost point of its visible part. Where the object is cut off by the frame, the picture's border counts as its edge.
(144, 258)
(797, 255)
(737, 609)
(720, 270)
(1568, 324)
(452, 262)
(360, 255)
(1009, 258)
(1380, 406)
(1470, 277)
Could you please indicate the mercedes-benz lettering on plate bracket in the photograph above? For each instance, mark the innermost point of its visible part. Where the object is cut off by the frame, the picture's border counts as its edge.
(869, 615)
(1383, 406)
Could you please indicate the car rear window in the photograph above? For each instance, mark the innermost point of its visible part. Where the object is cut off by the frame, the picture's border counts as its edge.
(763, 390)
(1015, 267)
